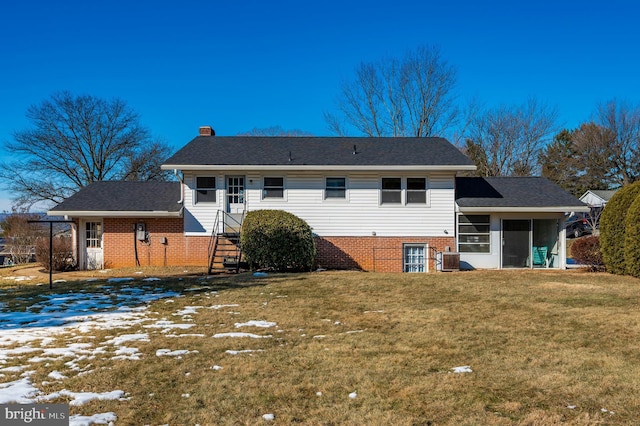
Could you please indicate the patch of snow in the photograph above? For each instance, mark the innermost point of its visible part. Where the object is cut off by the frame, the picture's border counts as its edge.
(462, 369)
(142, 337)
(353, 395)
(244, 351)
(56, 375)
(268, 417)
(223, 306)
(216, 367)
(251, 335)
(255, 323)
(81, 398)
(96, 419)
(120, 280)
(19, 391)
(169, 352)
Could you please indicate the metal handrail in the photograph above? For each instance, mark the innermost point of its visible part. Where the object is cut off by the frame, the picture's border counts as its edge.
(223, 216)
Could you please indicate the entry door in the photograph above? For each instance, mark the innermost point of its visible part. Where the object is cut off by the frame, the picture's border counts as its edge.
(93, 253)
(235, 203)
(516, 246)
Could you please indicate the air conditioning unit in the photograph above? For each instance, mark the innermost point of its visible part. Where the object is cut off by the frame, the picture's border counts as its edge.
(450, 261)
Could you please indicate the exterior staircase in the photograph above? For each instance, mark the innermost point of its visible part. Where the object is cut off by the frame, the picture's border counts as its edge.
(225, 253)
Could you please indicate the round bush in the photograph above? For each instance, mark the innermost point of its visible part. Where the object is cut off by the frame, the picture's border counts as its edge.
(277, 240)
(613, 228)
(632, 239)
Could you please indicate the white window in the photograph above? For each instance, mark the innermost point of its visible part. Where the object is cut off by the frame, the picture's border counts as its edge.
(474, 233)
(93, 234)
(205, 189)
(273, 187)
(391, 191)
(416, 190)
(335, 187)
(415, 258)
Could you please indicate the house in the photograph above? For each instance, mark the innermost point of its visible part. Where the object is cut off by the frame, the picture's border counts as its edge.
(376, 204)
(597, 198)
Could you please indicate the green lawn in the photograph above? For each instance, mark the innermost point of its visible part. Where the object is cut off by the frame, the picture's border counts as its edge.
(543, 348)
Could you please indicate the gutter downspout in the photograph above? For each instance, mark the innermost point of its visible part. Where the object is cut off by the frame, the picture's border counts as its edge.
(181, 200)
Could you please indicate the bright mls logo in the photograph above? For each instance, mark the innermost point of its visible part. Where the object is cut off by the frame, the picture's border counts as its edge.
(34, 414)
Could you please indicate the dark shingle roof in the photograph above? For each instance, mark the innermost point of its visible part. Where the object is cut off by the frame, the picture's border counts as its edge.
(318, 151)
(516, 192)
(120, 196)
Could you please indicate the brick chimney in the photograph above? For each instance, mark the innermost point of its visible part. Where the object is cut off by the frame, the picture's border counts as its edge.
(207, 131)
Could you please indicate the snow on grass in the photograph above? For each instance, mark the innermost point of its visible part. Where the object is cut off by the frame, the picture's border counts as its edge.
(243, 351)
(96, 419)
(254, 323)
(462, 369)
(81, 398)
(178, 353)
(19, 391)
(56, 375)
(251, 335)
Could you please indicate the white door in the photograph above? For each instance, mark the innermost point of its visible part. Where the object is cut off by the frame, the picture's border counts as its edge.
(92, 242)
(235, 203)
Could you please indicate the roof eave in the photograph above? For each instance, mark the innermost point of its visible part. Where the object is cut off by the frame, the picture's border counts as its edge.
(550, 209)
(114, 213)
(281, 167)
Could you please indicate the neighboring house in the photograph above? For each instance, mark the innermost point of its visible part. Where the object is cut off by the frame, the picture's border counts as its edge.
(597, 198)
(376, 204)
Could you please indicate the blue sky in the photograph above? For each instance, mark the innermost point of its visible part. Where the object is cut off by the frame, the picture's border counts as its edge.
(236, 65)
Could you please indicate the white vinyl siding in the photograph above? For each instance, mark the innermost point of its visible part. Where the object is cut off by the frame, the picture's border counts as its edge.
(360, 215)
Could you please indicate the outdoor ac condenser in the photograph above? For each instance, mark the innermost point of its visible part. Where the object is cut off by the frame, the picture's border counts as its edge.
(450, 261)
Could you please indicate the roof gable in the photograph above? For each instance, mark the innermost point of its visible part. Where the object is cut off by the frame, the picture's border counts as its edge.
(248, 151)
(514, 193)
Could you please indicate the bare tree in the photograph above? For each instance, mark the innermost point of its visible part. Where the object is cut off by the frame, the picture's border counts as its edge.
(20, 236)
(620, 122)
(509, 139)
(274, 131)
(411, 96)
(74, 141)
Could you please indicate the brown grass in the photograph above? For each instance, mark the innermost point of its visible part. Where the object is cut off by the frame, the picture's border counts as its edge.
(537, 342)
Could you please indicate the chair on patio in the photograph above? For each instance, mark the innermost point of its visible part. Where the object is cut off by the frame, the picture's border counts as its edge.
(540, 256)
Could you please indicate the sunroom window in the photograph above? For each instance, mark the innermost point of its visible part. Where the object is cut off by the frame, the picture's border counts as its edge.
(474, 234)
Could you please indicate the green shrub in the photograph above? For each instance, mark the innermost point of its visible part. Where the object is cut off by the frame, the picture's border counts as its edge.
(277, 240)
(632, 239)
(612, 228)
(586, 251)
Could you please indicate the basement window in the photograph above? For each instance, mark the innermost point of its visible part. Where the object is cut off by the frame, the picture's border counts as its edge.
(414, 258)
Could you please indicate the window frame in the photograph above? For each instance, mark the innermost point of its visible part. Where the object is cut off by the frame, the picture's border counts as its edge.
(93, 235)
(203, 190)
(328, 189)
(266, 188)
(390, 191)
(411, 266)
(483, 239)
(424, 191)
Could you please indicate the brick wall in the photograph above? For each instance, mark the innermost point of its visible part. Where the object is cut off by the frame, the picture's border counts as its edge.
(380, 254)
(120, 244)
